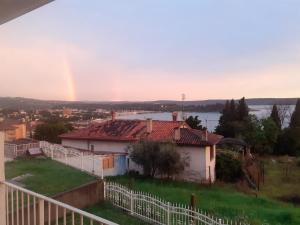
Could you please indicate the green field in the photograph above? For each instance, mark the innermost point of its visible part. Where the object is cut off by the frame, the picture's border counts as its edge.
(222, 200)
(282, 177)
(46, 176)
(109, 212)
(49, 177)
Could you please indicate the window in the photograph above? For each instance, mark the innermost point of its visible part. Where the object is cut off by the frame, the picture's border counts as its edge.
(212, 153)
(108, 162)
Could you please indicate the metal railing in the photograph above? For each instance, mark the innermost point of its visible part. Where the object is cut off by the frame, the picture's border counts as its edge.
(24, 207)
(156, 210)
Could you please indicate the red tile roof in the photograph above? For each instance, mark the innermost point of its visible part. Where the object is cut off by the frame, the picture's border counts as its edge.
(133, 130)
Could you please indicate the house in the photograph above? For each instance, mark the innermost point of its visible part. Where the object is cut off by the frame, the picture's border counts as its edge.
(13, 130)
(114, 136)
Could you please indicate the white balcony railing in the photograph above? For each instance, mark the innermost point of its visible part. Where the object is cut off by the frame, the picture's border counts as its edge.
(24, 207)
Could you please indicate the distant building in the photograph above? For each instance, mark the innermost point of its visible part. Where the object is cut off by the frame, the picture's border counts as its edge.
(31, 127)
(13, 130)
(67, 112)
(114, 136)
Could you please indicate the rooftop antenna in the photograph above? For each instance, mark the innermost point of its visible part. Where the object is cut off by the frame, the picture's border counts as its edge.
(182, 106)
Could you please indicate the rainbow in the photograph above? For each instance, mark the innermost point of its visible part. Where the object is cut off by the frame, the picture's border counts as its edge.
(69, 80)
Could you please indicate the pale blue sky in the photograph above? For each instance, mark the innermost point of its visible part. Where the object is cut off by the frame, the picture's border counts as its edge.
(154, 49)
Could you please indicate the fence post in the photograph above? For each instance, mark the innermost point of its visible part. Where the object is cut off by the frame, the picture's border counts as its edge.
(193, 207)
(81, 161)
(2, 178)
(131, 202)
(41, 212)
(93, 163)
(168, 214)
(104, 189)
(101, 167)
(51, 152)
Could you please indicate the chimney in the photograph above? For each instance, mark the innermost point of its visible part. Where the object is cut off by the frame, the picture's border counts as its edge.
(177, 134)
(206, 135)
(174, 116)
(149, 126)
(113, 115)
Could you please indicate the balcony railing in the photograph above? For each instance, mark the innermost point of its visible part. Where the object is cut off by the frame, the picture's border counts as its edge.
(24, 207)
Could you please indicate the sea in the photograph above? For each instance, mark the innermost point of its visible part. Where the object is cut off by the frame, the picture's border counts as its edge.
(208, 119)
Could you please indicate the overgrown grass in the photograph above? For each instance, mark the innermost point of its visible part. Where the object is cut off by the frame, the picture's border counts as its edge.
(221, 200)
(282, 177)
(48, 177)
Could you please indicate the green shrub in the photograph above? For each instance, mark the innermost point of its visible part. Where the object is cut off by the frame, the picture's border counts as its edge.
(228, 167)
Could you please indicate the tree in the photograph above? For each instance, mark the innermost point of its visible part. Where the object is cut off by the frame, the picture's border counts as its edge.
(51, 131)
(233, 118)
(194, 123)
(225, 126)
(275, 116)
(289, 142)
(232, 111)
(295, 119)
(228, 167)
(242, 110)
(284, 112)
(271, 131)
(157, 158)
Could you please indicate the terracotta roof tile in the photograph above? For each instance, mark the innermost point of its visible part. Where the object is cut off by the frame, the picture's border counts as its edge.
(132, 130)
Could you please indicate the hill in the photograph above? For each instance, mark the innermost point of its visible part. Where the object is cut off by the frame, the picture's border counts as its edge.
(168, 105)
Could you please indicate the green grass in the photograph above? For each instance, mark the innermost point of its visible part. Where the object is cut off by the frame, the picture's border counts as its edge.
(221, 200)
(282, 177)
(109, 212)
(49, 177)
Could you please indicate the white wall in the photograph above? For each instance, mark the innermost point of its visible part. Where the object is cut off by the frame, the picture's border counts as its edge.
(101, 146)
(196, 169)
(81, 144)
(211, 163)
(198, 158)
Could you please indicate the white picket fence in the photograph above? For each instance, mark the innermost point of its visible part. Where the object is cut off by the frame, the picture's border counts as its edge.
(83, 160)
(13, 150)
(158, 211)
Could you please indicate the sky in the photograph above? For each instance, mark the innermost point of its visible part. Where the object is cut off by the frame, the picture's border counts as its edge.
(139, 50)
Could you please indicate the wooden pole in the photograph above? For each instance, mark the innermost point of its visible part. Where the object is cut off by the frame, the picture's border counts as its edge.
(193, 201)
(2, 179)
(193, 206)
(258, 180)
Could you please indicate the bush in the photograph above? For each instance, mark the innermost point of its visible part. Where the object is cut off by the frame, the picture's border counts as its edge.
(228, 167)
(157, 158)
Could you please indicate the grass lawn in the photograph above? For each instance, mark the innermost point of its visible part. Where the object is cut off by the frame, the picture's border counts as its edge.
(109, 212)
(222, 200)
(48, 177)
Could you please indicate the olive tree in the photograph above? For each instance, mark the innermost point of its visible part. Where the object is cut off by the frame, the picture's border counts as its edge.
(157, 158)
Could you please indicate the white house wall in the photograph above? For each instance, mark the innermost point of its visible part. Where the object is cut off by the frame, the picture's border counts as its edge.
(198, 158)
(101, 146)
(210, 164)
